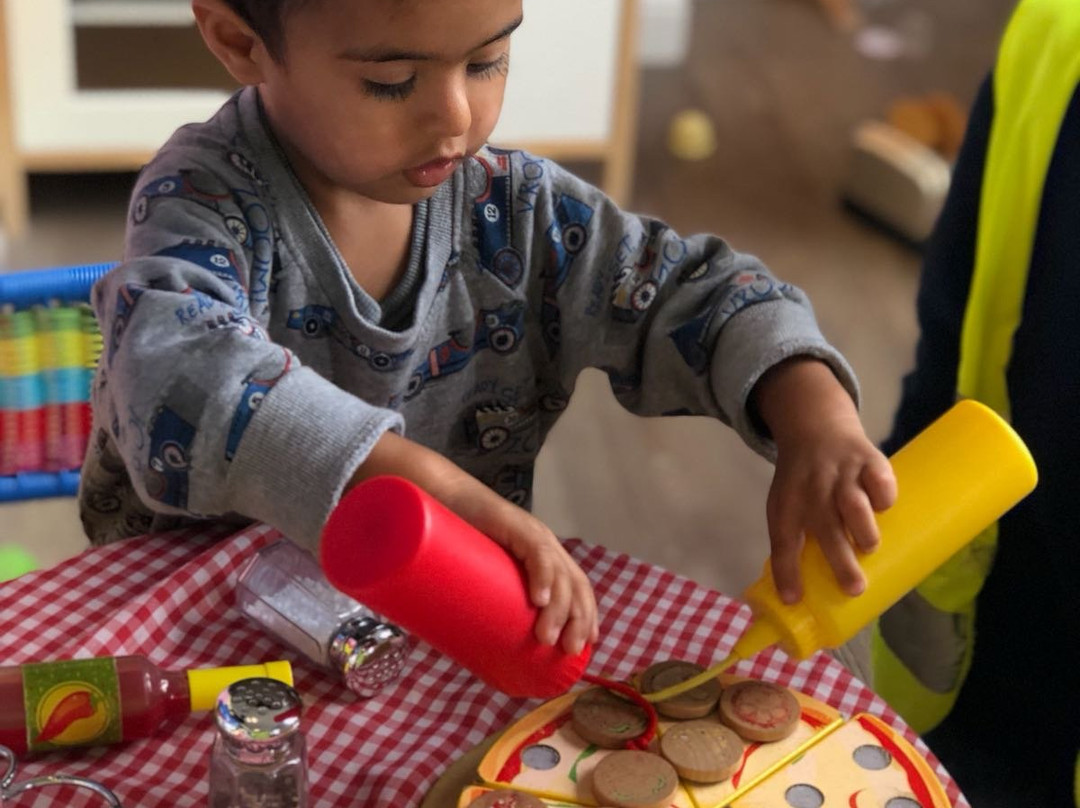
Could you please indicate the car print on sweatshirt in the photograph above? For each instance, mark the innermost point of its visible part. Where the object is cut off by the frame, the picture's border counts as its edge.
(319, 322)
(126, 298)
(242, 212)
(567, 237)
(499, 330)
(495, 425)
(747, 288)
(637, 282)
(493, 220)
(514, 483)
(256, 385)
(171, 438)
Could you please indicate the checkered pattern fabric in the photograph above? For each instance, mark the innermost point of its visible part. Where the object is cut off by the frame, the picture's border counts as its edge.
(170, 597)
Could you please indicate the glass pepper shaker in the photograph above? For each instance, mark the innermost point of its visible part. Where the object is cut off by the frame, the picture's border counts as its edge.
(283, 589)
(259, 756)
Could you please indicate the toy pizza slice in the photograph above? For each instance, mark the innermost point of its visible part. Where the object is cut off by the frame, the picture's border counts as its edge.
(863, 764)
(760, 759)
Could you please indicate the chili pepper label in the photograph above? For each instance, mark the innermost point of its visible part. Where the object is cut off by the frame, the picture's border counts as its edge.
(71, 703)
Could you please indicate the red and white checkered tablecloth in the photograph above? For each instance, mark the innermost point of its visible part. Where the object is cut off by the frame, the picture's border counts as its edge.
(170, 597)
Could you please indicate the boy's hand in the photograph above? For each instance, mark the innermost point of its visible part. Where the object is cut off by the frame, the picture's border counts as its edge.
(829, 479)
(557, 585)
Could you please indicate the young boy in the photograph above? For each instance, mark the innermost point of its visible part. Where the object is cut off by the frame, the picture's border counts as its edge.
(336, 257)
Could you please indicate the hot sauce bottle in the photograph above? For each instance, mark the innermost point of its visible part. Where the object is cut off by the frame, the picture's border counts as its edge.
(89, 702)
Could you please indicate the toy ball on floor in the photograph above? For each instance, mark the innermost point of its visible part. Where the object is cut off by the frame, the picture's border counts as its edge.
(691, 135)
(14, 561)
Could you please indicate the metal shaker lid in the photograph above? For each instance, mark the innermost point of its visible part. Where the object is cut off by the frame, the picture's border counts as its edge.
(370, 654)
(258, 712)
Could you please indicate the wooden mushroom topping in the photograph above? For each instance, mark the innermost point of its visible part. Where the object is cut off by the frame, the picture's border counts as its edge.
(696, 703)
(507, 799)
(633, 779)
(606, 719)
(702, 751)
(759, 711)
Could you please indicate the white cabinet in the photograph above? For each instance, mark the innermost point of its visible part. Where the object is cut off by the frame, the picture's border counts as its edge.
(571, 94)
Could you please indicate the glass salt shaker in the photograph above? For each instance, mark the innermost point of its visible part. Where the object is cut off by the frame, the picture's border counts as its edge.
(259, 756)
(283, 589)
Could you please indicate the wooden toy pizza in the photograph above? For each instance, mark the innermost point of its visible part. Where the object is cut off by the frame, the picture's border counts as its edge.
(733, 741)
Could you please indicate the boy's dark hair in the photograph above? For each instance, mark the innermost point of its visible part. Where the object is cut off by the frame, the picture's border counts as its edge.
(267, 19)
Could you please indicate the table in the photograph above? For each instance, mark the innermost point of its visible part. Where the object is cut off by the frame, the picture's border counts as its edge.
(170, 597)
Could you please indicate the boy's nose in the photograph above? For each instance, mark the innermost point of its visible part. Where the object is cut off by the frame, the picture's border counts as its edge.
(453, 115)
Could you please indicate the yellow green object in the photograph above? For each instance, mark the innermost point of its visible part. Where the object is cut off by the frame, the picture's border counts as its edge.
(15, 561)
(1036, 75)
(691, 135)
(957, 476)
(205, 685)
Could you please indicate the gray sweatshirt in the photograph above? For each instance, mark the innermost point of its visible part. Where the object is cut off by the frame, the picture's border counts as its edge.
(246, 374)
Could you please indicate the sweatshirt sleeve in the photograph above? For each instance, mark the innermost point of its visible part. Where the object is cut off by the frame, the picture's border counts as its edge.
(209, 416)
(680, 325)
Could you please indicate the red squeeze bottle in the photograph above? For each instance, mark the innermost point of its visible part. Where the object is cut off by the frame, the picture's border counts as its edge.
(403, 554)
(53, 705)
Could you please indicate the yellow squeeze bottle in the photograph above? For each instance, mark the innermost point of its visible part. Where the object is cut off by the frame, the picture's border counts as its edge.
(954, 479)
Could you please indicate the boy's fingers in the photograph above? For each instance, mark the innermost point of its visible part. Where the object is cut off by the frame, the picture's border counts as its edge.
(553, 617)
(575, 635)
(786, 540)
(786, 549)
(540, 568)
(586, 601)
(853, 504)
(841, 557)
(785, 570)
(879, 482)
(582, 619)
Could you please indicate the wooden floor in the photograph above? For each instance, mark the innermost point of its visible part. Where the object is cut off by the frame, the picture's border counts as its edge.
(784, 89)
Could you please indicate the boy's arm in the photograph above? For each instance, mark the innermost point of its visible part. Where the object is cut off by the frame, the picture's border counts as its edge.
(210, 416)
(680, 325)
(829, 479)
(686, 325)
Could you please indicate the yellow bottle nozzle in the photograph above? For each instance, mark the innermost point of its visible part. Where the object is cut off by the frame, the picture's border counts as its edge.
(757, 637)
(206, 684)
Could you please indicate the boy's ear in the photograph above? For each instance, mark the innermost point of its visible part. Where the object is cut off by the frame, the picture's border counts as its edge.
(231, 40)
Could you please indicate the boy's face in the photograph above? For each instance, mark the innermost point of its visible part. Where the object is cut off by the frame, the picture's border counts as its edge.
(384, 98)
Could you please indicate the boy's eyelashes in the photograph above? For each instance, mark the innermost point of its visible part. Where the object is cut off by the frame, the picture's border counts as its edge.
(390, 92)
(401, 90)
(499, 66)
